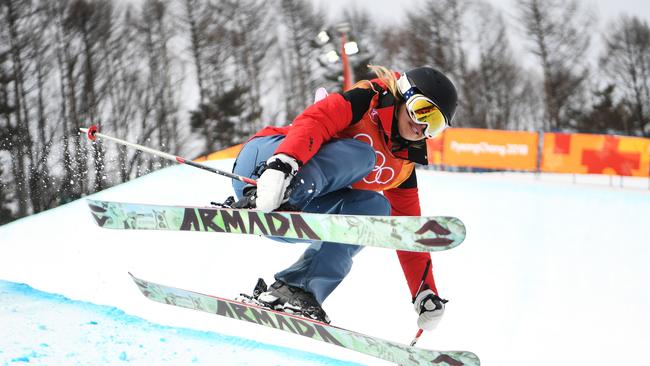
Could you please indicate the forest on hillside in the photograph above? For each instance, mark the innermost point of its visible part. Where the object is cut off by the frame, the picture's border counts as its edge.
(194, 76)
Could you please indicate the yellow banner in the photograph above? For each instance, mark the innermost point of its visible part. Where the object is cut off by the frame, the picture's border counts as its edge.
(227, 153)
(595, 154)
(492, 149)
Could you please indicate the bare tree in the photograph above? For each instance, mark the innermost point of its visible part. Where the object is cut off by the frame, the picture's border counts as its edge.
(157, 32)
(74, 153)
(392, 43)
(626, 62)
(211, 50)
(42, 183)
(438, 38)
(92, 23)
(6, 135)
(498, 85)
(5, 212)
(83, 26)
(27, 92)
(229, 43)
(125, 88)
(302, 25)
(66, 64)
(15, 18)
(253, 38)
(558, 32)
(196, 20)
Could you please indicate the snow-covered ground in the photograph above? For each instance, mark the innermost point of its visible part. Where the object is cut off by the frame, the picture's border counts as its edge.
(47, 329)
(551, 272)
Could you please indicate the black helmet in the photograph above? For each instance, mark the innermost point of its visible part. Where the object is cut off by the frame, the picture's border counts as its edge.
(434, 85)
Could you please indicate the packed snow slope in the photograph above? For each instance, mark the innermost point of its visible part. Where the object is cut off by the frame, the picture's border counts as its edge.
(550, 272)
(40, 328)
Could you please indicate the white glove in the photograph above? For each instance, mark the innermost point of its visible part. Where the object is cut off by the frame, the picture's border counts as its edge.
(273, 183)
(430, 308)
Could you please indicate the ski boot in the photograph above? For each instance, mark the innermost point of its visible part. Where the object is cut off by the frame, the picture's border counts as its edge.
(285, 298)
(293, 300)
(260, 287)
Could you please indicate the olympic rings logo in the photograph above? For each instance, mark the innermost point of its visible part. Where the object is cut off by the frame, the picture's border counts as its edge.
(383, 174)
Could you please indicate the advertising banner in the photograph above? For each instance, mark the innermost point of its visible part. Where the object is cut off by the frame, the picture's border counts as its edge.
(228, 153)
(518, 150)
(595, 154)
(492, 149)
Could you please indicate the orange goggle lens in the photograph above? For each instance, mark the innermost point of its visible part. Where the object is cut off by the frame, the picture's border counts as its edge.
(423, 111)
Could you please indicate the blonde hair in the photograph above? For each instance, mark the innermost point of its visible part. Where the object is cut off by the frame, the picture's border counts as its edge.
(385, 75)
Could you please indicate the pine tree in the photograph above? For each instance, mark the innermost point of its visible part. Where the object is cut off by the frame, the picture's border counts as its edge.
(626, 63)
(220, 115)
(605, 116)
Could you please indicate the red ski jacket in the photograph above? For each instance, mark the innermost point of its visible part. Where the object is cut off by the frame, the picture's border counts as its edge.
(366, 114)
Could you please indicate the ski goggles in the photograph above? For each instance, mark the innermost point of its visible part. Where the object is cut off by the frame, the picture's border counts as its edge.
(422, 110)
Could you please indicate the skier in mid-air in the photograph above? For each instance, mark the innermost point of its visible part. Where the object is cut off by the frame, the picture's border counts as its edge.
(334, 158)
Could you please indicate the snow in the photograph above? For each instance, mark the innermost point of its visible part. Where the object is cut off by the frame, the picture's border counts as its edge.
(51, 338)
(551, 272)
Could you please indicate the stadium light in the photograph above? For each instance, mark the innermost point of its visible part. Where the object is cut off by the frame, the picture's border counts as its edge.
(332, 53)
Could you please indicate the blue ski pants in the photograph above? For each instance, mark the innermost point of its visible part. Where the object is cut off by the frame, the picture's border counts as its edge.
(321, 186)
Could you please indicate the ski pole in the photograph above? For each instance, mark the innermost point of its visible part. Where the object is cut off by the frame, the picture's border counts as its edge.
(417, 337)
(92, 133)
(424, 277)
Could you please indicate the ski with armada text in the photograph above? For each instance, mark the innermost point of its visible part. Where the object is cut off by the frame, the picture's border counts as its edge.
(383, 349)
(412, 233)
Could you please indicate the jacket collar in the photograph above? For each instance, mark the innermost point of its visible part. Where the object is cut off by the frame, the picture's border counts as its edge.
(384, 109)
